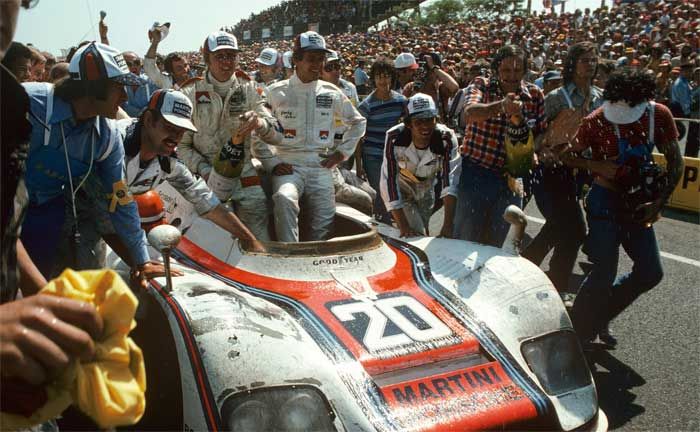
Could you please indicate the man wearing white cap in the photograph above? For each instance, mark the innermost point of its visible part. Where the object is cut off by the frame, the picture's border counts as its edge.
(331, 73)
(268, 67)
(406, 66)
(417, 151)
(149, 145)
(223, 138)
(309, 112)
(73, 136)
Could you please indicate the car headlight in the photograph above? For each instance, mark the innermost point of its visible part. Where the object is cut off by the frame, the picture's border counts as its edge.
(557, 361)
(296, 408)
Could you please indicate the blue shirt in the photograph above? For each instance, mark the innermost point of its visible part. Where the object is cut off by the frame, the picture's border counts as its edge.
(138, 97)
(381, 116)
(681, 94)
(47, 173)
(361, 77)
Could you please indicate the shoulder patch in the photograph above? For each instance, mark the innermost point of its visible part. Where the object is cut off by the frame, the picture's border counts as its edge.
(242, 74)
(190, 81)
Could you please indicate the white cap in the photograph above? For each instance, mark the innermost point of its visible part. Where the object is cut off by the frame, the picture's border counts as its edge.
(287, 59)
(268, 57)
(405, 60)
(332, 55)
(312, 41)
(221, 40)
(420, 105)
(174, 106)
(96, 61)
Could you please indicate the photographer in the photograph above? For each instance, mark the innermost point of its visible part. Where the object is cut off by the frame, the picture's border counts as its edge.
(430, 79)
(626, 197)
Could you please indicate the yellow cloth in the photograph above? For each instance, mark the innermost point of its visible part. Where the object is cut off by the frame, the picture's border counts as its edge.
(111, 387)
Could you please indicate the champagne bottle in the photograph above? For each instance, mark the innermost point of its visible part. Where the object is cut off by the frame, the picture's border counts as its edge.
(229, 161)
(519, 145)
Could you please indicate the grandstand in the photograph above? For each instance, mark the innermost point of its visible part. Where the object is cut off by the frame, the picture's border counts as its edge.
(324, 16)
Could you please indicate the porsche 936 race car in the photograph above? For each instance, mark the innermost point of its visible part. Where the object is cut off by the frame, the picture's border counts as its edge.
(366, 331)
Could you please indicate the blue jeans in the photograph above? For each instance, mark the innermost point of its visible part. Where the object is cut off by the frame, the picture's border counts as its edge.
(556, 197)
(372, 165)
(482, 198)
(602, 297)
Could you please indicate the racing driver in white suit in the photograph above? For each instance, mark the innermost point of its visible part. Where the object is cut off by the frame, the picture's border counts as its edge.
(309, 112)
(222, 148)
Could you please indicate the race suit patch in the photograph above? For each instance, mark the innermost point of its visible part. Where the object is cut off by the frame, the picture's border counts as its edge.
(323, 135)
(237, 102)
(120, 195)
(202, 97)
(290, 133)
(324, 101)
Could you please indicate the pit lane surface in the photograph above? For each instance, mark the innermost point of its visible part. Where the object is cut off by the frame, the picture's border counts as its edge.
(651, 381)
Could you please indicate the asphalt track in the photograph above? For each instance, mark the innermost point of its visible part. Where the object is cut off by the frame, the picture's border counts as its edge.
(651, 381)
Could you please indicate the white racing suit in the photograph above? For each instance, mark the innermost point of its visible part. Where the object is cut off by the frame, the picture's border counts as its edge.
(408, 177)
(308, 115)
(217, 120)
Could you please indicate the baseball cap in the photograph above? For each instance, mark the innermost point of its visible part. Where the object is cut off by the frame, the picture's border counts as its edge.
(421, 105)
(311, 41)
(268, 57)
(551, 76)
(405, 60)
(332, 55)
(174, 106)
(287, 59)
(221, 40)
(96, 61)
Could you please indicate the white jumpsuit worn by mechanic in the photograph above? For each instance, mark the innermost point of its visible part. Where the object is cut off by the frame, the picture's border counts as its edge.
(409, 174)
(309, 114)
(217, 107)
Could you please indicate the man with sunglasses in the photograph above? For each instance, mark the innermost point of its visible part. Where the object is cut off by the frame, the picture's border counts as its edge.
(137, 95)
(220, 99)
(331, 73)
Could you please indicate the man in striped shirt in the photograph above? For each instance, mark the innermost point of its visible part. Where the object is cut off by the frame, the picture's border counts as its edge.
(383, 109)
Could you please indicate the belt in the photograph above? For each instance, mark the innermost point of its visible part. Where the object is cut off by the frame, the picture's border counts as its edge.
(250, 181)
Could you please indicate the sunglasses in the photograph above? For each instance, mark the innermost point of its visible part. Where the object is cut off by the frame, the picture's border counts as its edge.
(133, 63)
(331, 66)
(225, 57)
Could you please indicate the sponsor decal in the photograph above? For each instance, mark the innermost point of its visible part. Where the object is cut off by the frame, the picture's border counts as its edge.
(420, 104)
(324, 101)
(182, 109)
(290, 133)
(120, 195)
(314, 40)
(121, 63)
(337, 260)
(323, 135)
(202, 97)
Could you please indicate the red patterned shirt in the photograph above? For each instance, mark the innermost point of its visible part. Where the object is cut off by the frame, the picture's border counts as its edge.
(598, 133)
(484, 141)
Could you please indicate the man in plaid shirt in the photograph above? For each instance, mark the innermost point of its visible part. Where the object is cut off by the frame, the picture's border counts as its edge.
(484, 191)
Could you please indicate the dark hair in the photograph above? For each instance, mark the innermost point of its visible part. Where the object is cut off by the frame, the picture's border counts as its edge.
(15, 52)
(382, 67)
(629, 85)
(574, 53)
(507, 52)
(606, 66)
(168, 62)
(69, 89)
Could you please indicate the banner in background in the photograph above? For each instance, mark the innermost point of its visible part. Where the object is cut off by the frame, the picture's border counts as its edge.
(266, 32)
(288, 31)
(246, 35)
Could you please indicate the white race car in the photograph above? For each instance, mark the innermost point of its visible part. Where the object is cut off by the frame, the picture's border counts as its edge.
(366, 331)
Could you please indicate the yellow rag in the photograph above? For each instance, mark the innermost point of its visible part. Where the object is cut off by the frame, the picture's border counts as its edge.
(111, 387)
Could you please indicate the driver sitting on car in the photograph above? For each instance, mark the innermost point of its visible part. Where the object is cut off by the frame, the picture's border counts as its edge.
(416, 153)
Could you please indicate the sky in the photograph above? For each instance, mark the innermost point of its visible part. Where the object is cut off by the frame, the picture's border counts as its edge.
(56, 24)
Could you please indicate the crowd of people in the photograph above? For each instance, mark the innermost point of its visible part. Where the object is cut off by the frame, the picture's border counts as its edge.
(471, 116)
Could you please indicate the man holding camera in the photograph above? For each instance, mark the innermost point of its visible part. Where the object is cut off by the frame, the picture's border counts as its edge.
(430, 79)
(626, 197)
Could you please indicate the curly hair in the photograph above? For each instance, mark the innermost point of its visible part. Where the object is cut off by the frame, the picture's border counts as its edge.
(382, 67)
(575, 52)
(630, 85)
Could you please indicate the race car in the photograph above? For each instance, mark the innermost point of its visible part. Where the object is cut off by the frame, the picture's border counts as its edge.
(366, 331)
